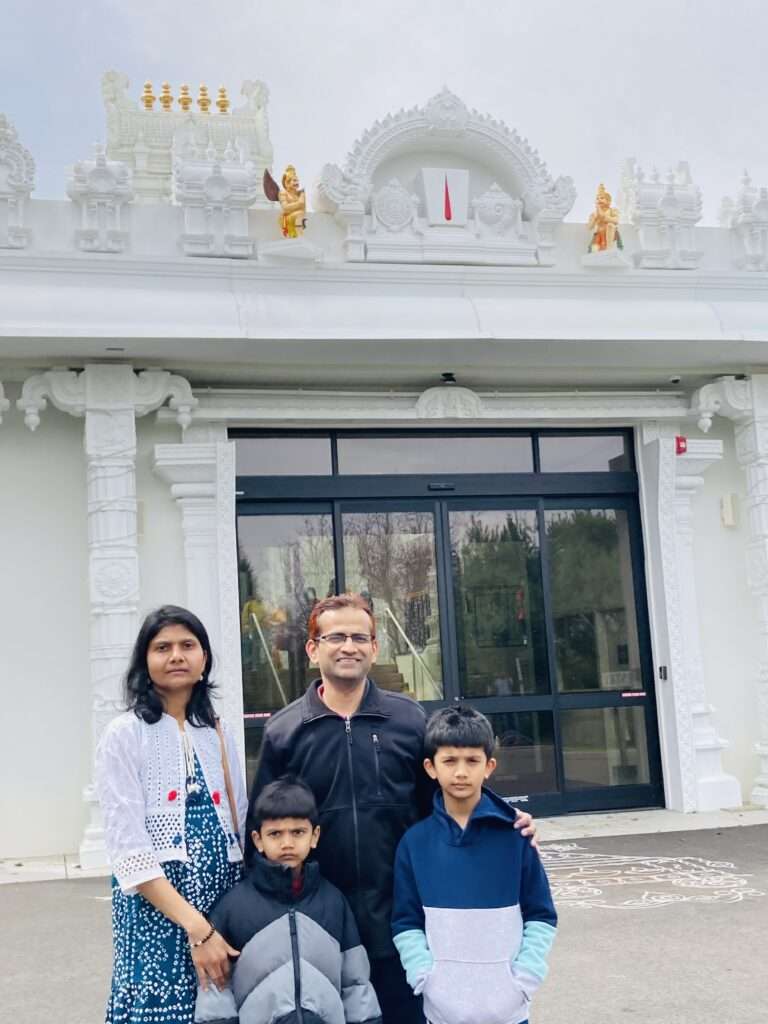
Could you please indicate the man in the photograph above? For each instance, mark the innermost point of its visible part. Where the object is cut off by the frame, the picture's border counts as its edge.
(360, 749)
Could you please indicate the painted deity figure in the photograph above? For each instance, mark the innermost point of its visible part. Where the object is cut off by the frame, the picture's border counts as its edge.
(603, 224)
(292, 199)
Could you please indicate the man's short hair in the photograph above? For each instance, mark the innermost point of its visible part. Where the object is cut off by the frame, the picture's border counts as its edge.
(335, 603)
(460, 726)
(286, 797)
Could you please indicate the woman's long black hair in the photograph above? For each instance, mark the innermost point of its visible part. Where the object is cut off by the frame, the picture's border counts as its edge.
(141, 696)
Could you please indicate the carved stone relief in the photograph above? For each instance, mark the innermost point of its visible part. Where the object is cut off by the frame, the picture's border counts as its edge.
(665, 214)
(215, 194)
(747, 220)
(394, 207)
(100, 188)
(145, 139)
(17, 181)
(449, 401)
(508, 230)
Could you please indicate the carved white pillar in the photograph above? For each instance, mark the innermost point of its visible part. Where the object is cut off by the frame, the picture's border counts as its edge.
(656, 463)
(201, 473)
(109, 397)
(746, 403)
(714, 788)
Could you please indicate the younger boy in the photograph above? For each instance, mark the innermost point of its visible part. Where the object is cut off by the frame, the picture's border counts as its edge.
(473, 917)
(300, 954)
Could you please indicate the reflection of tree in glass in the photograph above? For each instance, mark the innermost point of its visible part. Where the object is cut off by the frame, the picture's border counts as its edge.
(584, 552)
(394, 554)
(498, 603)
(586, 582)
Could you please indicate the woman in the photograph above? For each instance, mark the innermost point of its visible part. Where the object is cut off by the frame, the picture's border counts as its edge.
(170, 832)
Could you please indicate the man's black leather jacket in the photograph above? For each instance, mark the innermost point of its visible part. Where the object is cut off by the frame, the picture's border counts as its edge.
(368, 778)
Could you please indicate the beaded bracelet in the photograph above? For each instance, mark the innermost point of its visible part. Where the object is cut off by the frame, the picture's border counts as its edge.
(194, 945)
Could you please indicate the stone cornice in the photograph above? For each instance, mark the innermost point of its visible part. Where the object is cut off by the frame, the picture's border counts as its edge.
(261, 406)
(216, 269)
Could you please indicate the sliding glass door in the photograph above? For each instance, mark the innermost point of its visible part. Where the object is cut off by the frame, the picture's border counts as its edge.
(530, 606)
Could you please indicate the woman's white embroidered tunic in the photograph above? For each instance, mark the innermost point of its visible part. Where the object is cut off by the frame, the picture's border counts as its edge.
(140, 780)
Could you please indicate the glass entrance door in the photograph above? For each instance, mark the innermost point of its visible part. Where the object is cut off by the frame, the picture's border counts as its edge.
(521, 593)
(548, 642)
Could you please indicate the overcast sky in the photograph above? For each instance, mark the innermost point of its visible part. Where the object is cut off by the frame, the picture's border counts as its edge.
(587, 83)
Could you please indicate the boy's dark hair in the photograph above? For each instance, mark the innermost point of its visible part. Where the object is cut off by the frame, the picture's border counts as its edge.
(286, 797)
(460, 726)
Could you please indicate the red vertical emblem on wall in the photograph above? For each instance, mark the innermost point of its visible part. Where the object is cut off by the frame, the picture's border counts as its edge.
(681, 445)
(447, 201)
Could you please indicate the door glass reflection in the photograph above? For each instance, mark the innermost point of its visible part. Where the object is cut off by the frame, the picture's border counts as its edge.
(253, 741)
(285, 565)
(525, 753)
(499, 603)
(389, 557)
(584, 453)
(593, 602)
(604, 747)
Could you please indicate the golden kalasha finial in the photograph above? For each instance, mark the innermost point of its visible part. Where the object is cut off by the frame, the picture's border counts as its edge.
(223, 101)
(204, 100)
(185, 100)
(148, 97)
(603, 224)
(166, 100)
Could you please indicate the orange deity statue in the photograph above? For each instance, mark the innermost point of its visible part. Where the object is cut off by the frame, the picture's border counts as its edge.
(292, 199)
(603, 224)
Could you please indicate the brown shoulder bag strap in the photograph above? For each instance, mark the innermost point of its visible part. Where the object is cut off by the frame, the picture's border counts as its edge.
(228, 784)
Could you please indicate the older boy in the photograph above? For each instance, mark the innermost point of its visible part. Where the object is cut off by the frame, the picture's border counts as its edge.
(473, 918)
(300, 956)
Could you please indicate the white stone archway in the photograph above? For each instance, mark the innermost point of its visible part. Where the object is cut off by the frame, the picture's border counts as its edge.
(512, 209)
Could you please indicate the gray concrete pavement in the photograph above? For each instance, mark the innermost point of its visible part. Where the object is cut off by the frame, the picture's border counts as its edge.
(654, 929)
(659, 929)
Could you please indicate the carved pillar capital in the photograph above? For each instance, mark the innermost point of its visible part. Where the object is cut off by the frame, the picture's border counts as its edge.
(106, 387)
(727, 396)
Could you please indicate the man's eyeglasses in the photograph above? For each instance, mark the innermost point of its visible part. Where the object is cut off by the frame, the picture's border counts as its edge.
(337, 639)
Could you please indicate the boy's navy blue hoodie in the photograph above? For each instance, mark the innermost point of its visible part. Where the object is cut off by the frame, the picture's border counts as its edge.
(473, 916)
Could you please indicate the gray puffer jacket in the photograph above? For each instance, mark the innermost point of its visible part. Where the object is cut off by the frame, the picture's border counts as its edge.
(300, 960)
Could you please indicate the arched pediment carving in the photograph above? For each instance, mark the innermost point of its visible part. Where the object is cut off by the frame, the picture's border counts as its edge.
(444, 135)
(449, 402)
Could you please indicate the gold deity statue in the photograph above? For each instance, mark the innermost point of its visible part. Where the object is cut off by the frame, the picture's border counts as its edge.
(292, 199)
(603, 224)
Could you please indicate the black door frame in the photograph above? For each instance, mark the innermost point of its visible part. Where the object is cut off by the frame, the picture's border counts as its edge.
(440, 494)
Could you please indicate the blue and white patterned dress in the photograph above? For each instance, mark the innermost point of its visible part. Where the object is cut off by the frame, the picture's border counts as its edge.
(153, 978)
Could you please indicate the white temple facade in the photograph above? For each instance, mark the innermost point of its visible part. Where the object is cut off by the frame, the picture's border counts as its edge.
(549, 473)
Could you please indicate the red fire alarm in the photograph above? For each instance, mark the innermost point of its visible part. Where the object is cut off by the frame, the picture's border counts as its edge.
(681, 445)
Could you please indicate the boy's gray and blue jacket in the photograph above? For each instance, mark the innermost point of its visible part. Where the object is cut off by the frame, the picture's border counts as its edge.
(300, 960)
(473, 916)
